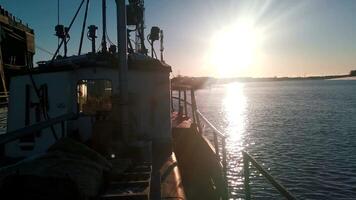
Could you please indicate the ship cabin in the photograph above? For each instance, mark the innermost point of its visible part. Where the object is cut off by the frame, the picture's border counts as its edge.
(86, 88)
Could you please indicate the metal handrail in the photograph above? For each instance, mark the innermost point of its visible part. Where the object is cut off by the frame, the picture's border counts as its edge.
(4, 98)
(197, 115)
(28, 130)
(210, 124)
(247, 158)
(216, 134)
(187, 102)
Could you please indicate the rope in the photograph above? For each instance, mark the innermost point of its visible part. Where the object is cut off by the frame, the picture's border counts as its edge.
(44, 50)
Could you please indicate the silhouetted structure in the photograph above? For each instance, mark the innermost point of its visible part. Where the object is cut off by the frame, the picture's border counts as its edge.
(17, 46)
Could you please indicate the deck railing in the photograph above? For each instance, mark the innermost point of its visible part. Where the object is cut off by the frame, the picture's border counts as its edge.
(28, 130)
(4, 99)
(217, 136)
(247, 159)
(220, 138)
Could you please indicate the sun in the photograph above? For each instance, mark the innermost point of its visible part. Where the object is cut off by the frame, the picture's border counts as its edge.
(233, 48)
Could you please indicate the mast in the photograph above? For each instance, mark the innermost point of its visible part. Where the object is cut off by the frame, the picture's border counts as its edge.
(123, 68)
(103, 41)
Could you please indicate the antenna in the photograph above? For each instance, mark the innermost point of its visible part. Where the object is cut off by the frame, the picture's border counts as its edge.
(57, 12)
(58, 21)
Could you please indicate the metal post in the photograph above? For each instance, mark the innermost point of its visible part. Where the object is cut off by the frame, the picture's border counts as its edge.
(162, 48)
(224, 166)
(65, 45)
(123, 68)
(246, 177)
(179, 102)
(224, 156)
(2, 74)
(179, 96)
(103, 40)
(185, 102)
(172, 106)
(192, 99)
(93, 48)
(194, 105)
(216, 144)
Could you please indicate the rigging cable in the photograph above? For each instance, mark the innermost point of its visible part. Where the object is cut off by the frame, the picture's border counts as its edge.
(107, 37)
(44, 50)
(83, 27)
(70, 25)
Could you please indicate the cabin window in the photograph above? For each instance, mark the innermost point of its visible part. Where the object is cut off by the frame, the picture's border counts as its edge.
(94, 96)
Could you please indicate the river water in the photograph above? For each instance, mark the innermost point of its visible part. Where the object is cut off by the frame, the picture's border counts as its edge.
(302, 132)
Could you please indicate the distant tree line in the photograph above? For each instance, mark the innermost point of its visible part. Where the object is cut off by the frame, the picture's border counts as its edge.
(194, 82)
(203, 82)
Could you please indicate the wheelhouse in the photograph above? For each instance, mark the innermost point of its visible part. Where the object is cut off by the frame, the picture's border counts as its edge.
(88, 86)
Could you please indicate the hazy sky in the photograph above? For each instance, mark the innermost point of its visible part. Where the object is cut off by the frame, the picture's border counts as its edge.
(295, 38)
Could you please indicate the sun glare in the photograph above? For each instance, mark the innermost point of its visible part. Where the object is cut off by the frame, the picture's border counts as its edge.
(233, 48)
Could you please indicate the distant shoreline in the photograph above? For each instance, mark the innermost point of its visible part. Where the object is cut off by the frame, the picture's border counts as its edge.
(345, 78)
(202, 82)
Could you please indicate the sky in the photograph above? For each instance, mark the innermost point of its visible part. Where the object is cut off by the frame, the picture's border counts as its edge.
(225, 38)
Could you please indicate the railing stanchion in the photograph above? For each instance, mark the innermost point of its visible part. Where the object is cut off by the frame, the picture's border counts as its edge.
(179, 102)
(224, 156)
(172, 106)
(246, 176)
(216, 144)
(224, 164)
(192, 100)
(194, 105)
(185, 102)
(282, 190)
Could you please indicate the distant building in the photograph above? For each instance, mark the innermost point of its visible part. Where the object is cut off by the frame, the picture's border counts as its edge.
(353, 73)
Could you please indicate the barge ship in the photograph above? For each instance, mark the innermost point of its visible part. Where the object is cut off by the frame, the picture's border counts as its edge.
(108, 124)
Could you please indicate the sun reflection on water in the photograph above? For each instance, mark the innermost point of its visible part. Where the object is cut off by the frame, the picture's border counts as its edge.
(234, 105)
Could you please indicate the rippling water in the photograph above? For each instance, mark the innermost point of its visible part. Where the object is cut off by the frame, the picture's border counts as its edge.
(3, 120)
(303, 132)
